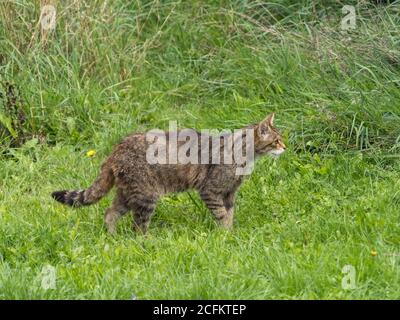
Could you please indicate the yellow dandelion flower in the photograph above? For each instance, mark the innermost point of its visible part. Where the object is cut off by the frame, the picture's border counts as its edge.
(374, 253)
(90, 153)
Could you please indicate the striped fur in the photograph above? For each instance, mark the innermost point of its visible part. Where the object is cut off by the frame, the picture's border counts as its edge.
(94, 193)
(139, 184)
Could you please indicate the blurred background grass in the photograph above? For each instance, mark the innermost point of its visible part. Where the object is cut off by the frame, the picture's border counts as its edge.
(135, 65)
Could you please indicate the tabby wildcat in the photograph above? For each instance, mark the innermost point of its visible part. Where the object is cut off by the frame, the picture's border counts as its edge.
(140, 184)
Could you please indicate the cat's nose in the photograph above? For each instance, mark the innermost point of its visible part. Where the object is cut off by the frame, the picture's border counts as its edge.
(283, 146)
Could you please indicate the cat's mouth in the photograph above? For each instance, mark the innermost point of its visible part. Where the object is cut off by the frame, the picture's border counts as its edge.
(276, 152)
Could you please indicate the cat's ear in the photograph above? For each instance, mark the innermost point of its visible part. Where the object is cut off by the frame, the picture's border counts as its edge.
(270, 119)
(265, 126)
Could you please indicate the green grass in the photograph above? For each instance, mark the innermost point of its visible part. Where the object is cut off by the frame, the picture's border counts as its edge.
(107, 70)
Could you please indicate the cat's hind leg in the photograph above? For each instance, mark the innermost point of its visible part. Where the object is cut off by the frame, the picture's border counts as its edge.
(143, 208)
(113, 213)
(141, 219)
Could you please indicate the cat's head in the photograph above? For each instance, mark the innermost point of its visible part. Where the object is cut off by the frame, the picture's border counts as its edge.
(267, 140)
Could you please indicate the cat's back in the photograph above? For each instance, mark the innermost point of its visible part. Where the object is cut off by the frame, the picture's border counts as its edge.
(130, 164)
(130, 152)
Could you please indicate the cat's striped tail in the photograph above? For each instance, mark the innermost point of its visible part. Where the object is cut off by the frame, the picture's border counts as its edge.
(94, 193)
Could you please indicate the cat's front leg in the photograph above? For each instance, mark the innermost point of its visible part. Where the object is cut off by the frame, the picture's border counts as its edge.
(229, 202)
(215, 203)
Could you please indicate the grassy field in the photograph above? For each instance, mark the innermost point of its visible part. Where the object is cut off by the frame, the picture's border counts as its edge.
(115, 67)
